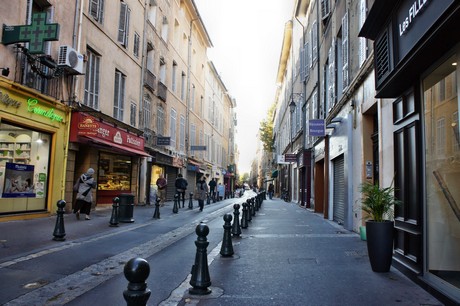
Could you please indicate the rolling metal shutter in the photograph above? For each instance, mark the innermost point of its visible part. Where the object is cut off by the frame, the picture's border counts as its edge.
(339, 190)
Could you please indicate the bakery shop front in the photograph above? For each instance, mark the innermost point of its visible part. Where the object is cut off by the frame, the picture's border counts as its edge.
(115, 153)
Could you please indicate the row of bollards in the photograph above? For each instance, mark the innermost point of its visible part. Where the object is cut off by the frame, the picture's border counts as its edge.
(137, 269)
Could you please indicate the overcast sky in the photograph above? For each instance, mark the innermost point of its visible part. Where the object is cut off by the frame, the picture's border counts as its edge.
(247, 37)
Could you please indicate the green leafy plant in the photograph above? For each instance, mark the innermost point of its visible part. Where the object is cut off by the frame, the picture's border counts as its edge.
(378, 202)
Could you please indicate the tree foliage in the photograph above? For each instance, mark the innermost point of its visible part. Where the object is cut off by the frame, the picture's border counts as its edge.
(266, 130)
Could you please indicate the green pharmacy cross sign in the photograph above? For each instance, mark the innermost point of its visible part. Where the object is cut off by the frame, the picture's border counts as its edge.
(35, 33)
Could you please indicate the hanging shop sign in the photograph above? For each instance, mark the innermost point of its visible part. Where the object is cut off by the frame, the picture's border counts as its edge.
(36, 33)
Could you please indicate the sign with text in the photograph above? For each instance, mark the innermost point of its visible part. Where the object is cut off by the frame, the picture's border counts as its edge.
(316, 128)
(163, 141)
(198, 148)
(290, 157)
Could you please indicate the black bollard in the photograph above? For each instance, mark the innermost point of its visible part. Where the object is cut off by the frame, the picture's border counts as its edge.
(114, 218)
(244, 217)
(214, 197)
(175, 208)
(59, 230)
(200, 279)
(208, 199)
(249, 214)
(257, 202)
(136, 271)
(226, 250)
(190, 201)
(236, 229)
(253, 204)
(156, 213)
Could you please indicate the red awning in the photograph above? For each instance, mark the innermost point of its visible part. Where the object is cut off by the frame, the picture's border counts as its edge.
(127, 150)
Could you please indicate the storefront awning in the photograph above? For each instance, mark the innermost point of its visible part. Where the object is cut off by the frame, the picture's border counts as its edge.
(275, 174)
(128, 150)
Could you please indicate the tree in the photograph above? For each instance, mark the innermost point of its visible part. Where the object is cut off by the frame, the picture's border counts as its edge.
(266, 130)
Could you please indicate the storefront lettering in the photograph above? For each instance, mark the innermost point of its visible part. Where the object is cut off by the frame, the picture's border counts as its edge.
(40, 111)
(5, 99)
(103, 132)
(133, 141)
(414, 10)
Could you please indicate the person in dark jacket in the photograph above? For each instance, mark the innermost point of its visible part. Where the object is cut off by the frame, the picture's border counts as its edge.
(84, 195)
(201, 192)
(212, 187)
(181, 186)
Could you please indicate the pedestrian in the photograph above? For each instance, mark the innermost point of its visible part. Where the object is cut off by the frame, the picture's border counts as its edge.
(181, 186)
(212, 187)
(161, 184)
(201, 191)
(271, 190)
(84, 195)
(220, 191)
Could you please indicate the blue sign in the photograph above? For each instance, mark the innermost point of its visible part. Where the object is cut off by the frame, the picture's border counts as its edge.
(198, 148)
(316, 128)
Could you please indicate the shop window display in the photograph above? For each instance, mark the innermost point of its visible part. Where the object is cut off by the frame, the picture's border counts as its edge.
(114, 172)
(24, 158)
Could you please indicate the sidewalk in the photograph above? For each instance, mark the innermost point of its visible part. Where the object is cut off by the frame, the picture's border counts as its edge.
(291, 256)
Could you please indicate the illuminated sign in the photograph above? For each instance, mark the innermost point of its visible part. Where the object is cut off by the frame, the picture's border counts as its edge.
(32, 107)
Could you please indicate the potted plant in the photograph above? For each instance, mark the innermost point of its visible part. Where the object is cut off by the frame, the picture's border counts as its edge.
(378, 203)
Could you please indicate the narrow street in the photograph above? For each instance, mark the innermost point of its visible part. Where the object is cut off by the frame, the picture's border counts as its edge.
(286, 256)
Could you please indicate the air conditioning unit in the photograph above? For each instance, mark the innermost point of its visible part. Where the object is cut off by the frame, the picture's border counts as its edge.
(71, 60)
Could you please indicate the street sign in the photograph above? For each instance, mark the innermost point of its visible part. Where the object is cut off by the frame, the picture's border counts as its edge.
(316, 128)
(198, 148)
(163, 141)
(290, 157)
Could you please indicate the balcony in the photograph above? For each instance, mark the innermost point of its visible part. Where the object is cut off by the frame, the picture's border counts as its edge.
(162, 91)
(149, 80)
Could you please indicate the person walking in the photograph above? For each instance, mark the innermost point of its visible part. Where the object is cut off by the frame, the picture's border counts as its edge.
(201, 191)
(84, 195)
(181, 186)
(271, 190)
(212, 188)
(161, 184)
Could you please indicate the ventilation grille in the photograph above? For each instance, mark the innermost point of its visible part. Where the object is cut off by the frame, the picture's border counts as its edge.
(382, 58)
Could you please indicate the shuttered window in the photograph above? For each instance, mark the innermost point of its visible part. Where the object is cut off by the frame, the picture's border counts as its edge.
(119, 95)
(361, 40)
(96, 10)
(123, 24)
(91, 98)
(345, 77)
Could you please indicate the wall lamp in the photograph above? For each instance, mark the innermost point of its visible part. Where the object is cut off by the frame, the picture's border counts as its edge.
(5, 71)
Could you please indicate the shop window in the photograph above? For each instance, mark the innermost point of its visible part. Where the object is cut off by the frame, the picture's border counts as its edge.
(114, 172)
(442, 170)
(24, 164)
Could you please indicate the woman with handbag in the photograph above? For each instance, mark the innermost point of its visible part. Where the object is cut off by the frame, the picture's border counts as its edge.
(84, 196)
(201, 191)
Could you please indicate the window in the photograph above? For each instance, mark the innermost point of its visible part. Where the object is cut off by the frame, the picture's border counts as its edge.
(119, 95)
(96, 10)
(200, 142)
(362, 41)
(193, 134)
(325, 9)
(183, 88)
(151, 60)
(314, 42)
(192, 98)
(172, 127)
(137, 40)
(152, 13)
(174, 73)
(162, 70)
(182, 134)
(330, 99)
(91, 97)
(160, 120)
(146, 112)
(132, 113)
(440, 136)
(123, 24)
(164, 29)
(345, 79)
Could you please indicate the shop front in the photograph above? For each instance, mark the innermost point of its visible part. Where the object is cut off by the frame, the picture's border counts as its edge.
(33, 142)
(421, 50)
(194, 171)
(113, 152)
(162, 164)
